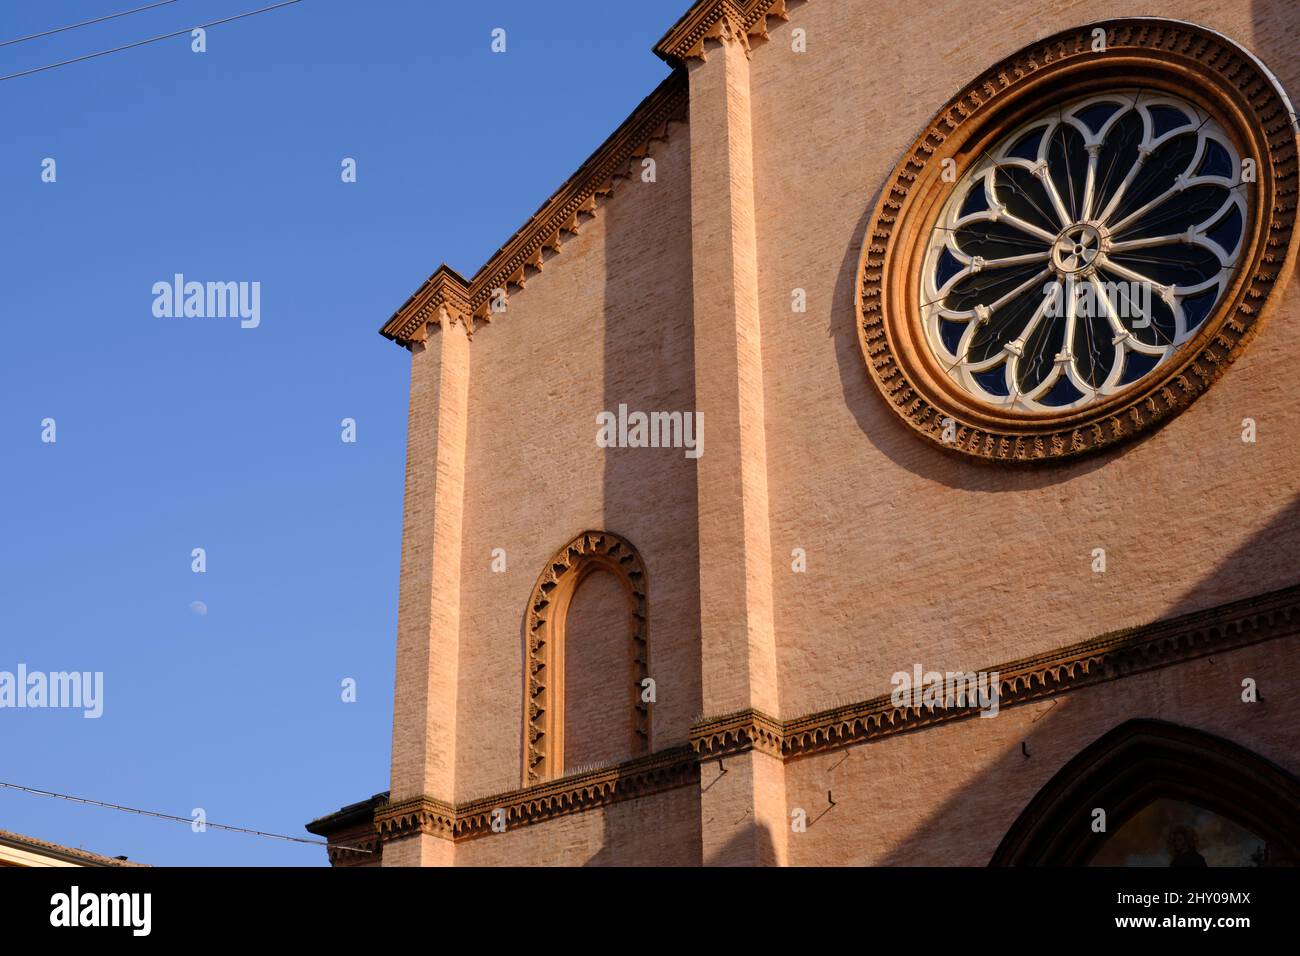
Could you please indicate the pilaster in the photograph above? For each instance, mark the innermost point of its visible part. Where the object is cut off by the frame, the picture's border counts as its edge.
(743, 812)
(428, 627)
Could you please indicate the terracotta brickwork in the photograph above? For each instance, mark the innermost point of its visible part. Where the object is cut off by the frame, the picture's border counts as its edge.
(429, 610)
(676, 295)
(606, 322)
(947, 795)
(599, 724)
(661, 830)
(1189, 518)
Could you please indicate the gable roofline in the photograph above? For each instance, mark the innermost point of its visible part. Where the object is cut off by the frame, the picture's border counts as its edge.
(575, 201)
(568, 208)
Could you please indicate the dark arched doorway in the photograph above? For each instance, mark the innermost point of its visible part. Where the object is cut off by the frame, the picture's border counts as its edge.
(1144, 774)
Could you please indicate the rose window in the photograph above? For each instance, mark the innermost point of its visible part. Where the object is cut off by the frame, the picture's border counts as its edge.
(1083, 250)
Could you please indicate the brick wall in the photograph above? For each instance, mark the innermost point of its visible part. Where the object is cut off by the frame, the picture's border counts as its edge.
(912, 556)
(607, 321)
(917, 556)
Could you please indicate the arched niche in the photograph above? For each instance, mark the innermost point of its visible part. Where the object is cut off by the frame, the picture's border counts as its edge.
(548, 609)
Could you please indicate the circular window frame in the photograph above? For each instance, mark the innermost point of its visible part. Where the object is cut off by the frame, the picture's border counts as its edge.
(1191, 62)
(1036, 254)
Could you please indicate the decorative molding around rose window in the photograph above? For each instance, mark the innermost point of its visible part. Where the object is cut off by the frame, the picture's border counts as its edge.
(1198, 122)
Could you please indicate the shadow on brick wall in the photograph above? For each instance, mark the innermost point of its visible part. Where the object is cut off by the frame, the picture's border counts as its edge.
(971, 825)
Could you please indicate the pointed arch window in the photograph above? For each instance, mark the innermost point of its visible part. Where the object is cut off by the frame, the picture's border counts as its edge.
(1164, 789)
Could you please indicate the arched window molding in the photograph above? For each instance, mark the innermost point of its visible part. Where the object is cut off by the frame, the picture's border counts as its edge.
(1136, 763)
(548, 609)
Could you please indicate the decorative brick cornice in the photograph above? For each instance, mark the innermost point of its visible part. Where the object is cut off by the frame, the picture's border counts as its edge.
(351, 831)
(563, 214)
(717, 20)
(1105, 658)
(642, 777)
(418, 815)
(444, 299)
(737, 732)
(576, 201)
(371, 823)
(1109, 657)
(355, 847)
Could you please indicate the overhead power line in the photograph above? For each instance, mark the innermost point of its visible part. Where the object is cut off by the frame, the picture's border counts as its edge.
(169, 816)
(85, 23)
(165, 36)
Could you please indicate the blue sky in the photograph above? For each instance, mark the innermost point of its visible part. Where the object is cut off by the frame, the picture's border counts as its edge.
(176, 433)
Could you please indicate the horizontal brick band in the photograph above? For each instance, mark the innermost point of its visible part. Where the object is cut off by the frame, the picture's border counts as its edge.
(367, 825)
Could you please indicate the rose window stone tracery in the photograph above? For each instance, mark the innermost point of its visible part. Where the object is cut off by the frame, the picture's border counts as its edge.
(1081, 251)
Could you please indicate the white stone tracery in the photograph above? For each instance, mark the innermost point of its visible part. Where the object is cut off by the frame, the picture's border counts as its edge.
(1122, 188)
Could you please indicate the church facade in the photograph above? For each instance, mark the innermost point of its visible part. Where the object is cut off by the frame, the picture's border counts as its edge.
(882, 451)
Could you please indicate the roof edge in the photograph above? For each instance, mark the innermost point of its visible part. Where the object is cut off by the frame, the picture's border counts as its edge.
(57, 851)
(363, 811)
(710, 19)
(568, 208)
